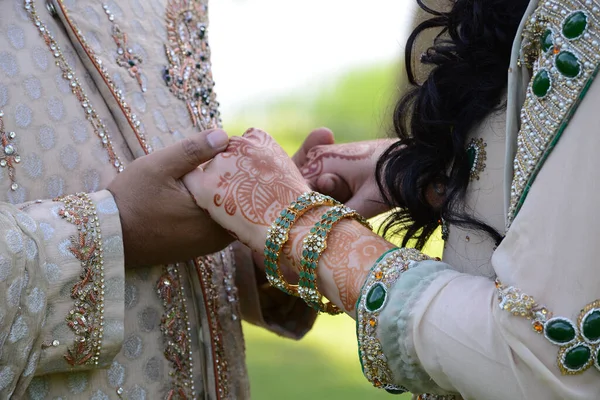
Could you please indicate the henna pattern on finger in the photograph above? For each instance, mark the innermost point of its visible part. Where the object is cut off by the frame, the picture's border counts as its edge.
(265, 182)
(350, 152)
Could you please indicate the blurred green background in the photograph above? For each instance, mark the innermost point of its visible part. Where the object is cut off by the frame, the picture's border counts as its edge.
(323, 365)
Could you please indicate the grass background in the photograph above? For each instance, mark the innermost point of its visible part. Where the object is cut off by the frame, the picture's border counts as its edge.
(323, 365)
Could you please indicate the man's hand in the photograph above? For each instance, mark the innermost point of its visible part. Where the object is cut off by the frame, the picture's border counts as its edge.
(160, 220)
(345, 172)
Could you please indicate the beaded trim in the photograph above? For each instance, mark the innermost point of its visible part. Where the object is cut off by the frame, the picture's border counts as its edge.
(477, 156)
(76, 88)
(86, 318)
(177, 333)
(211, 295)
(579, 342)
(437, 397)
(126, 57)
(313, 246)
(134, 123)
(188, 74)
(564, 66)
(374, 295)
(10, 155)
(278, 235)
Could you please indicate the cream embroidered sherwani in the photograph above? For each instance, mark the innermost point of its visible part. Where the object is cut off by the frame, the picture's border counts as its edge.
(86, 87)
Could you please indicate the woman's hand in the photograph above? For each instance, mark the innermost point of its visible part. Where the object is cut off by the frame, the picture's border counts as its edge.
(345, 172)
(246, 187)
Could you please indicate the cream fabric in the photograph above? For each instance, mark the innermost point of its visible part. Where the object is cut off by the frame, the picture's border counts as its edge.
(61, 155)
(463, 341)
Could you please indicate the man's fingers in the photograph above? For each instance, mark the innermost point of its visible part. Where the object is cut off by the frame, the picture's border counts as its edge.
(318, 137)
(187, 154)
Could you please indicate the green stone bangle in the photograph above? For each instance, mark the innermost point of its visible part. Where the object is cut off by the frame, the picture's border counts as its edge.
(314, 245)
(374, 296)
(278, 235)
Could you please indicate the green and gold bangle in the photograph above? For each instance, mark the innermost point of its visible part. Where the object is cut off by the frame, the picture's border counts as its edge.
(278, 235)
(314, 245)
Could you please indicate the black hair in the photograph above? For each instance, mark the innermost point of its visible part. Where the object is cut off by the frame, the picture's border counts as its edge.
(469, 62)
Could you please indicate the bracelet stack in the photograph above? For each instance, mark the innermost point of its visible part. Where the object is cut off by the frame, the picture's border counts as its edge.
(278, 236)
(314, 245)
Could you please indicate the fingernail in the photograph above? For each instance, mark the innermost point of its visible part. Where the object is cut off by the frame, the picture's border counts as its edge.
(217, 139)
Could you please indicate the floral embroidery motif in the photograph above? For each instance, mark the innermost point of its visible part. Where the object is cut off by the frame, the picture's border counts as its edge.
(562, 44)
(86, 318)
(9, 156)
(176, 329)
(476, 156)
(579, 342)
(374, 297)
(68, 73)
(188, 74)
(126, 57)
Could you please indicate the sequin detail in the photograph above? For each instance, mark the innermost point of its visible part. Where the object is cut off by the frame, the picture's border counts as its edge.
(579, 342)
(132, 118)
(86, 318)
(211, 295)
(176, 329)
(9, 155)
(384, 274)
(76, 88)
(562, 44)
(188, 74)
(126, 57)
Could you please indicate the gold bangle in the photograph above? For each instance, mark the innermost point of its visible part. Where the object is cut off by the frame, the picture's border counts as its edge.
(314, 245)
(278, 235)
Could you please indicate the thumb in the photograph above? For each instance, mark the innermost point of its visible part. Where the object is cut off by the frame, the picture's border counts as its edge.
(187, 154)
(333, 185)
(318, 137)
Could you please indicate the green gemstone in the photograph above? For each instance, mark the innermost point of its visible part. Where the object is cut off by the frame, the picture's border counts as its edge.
(559, 331)
(304, 253)
(471, 155)
(567, 64)
(575, 25)
(376, 297)
(591, 326)
(541, 83)
(577, 358)
(546, 41)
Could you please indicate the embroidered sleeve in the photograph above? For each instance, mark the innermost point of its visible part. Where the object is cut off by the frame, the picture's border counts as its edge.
(61, 279)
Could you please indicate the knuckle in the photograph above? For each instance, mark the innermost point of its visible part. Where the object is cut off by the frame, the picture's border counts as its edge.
(193, 151)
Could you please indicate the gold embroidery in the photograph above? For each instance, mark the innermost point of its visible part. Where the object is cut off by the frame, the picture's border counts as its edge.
(176, 330)
(126, 57)
(188, 74)
(385, 274)
(10, 155)
(134, 123)
(211, 296)
(564, 35)
(67, 72)
(86, 318)
(477, 156)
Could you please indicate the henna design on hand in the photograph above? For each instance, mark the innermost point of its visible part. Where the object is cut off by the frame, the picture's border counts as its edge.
(350, 152)
(265, 182)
